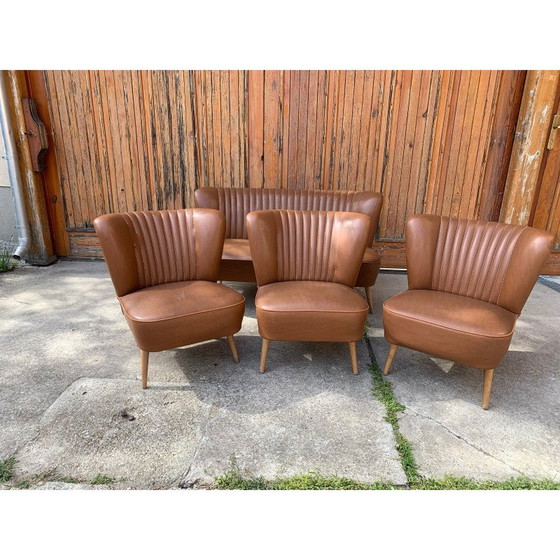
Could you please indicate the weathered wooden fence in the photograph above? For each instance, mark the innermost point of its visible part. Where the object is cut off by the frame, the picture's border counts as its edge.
(430, 141)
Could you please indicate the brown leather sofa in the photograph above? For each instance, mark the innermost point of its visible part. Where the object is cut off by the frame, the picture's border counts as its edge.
(237, 263)
(467, 284)
(306, 265)
(164, 266)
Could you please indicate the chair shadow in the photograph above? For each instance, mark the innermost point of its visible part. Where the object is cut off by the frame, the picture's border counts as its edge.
(521, 397)
(295, 371)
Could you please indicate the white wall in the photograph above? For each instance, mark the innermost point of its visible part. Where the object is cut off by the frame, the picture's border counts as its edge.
(8, 229)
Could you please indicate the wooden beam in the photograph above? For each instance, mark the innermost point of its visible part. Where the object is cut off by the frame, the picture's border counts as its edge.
(41, 247)
(50, 177)
(535, 117)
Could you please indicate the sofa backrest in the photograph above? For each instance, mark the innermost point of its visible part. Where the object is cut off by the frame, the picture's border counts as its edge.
(237, 203)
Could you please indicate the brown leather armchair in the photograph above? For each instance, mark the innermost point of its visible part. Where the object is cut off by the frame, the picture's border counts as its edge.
(164, 266)
(467, 284)
(306, 264)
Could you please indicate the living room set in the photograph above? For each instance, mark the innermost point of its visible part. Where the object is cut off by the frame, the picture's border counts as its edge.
(310, 252)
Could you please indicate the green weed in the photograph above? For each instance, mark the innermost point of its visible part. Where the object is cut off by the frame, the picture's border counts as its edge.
(102, 479)
(7, 467)
(7, 263)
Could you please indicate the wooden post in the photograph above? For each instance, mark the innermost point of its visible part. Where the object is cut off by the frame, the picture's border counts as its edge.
(41, 247)
(533, 126)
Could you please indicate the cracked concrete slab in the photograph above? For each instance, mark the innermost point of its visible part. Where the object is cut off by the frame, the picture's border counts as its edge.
(301, 415)
(114, 428)
(71, 384)
(449, 431)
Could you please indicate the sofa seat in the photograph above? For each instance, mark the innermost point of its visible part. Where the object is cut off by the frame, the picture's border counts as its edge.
(458, 328)
(314, 311)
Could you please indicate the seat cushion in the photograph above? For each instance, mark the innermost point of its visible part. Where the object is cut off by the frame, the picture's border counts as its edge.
(310, 311)
(237, 264)
(469, 331)
(181, 313)
(236, 250)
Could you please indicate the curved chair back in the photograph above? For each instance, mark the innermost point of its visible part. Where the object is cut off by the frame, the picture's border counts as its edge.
(145, 249)
(289, 245)
(488, 261)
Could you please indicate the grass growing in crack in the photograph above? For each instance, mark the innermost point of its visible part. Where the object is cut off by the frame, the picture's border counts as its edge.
(232, 480)
(383, 391)
(102, 479)
(50, 475)
(7, 467)
(461, 483)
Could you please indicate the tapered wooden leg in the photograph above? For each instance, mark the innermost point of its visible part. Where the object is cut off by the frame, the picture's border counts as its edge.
(390, 356)
(369, 297)
(353, 357)
(487, 387)
(144, 357)
(264, 353)
(233, 348)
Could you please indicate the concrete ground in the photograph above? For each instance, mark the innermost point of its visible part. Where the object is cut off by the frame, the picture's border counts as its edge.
(71, 405)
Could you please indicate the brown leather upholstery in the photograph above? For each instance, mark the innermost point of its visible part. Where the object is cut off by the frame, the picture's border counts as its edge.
(164, 266)
(306, 263)
(468, 282)
(311, 311)
(237, 203)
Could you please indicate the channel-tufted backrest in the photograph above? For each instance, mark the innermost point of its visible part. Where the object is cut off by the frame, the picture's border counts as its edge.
(292, 245)
(237, 203)
(145, 249)
(488, 261)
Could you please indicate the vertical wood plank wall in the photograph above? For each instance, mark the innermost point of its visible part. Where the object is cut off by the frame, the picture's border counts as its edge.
(133, 140)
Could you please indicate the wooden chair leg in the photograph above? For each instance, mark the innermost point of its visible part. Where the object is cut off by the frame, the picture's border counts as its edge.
(233, 348)
(369, 297)
(487, 388)
(353, 357)
(144, 357)
(264, 353)
(390, 356)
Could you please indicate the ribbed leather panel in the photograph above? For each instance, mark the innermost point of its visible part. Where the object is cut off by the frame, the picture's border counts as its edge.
(472, 258)
(304, 246)
(237, 203)
(164, 250)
